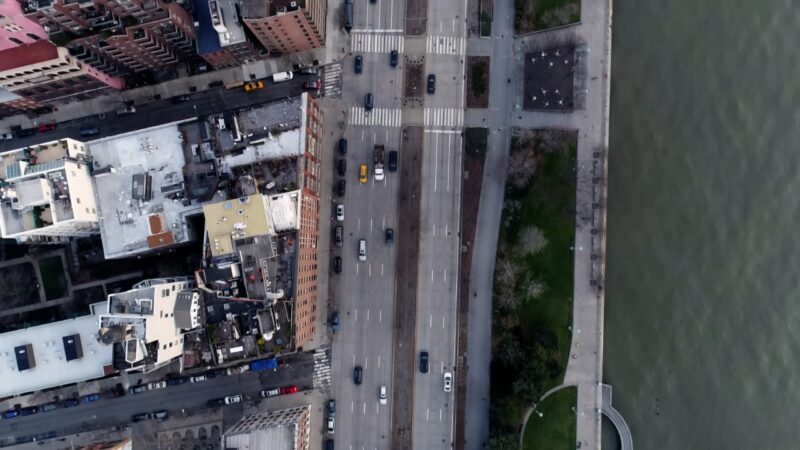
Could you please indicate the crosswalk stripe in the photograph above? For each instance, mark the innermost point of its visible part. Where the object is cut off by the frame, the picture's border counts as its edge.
(385, 117)
(443, 117)
(446, 45)
(378, 43)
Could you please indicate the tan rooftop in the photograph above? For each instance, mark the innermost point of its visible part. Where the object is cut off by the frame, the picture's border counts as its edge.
(235, 219)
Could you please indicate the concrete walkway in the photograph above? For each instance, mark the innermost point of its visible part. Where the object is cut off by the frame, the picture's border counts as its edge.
(616, 418)
(530, 409)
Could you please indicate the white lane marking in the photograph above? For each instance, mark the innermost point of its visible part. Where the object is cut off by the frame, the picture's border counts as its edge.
(365, 30)
(374, 138)
(366, 362)
(357, 269)
(430, 322)
(363, 135)
(355, 320)
(434, 230)
(370, 222)
(442, 322)
(449, 149)
(387, 136)
(391, 14)
(369, 267)
(431, 275)
(352, 408)
(377, 405)
(383, 224)
(381, 269)
(445, 276)
(365, 409)
(379, 14)
(380, 315)
(442, 366)
(427, 414)
(358, 227)
(379, 361)
(367, 314)
(440, 414)
(435, 160)
(445, 230)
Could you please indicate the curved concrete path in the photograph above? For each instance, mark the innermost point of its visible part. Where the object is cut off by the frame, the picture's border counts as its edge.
(527, 414)
(616, 418)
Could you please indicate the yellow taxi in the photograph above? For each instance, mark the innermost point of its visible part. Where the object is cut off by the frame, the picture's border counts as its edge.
(362, 173)
(253, 85)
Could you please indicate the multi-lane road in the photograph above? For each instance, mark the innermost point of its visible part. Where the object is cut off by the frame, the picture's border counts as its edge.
(365, 292)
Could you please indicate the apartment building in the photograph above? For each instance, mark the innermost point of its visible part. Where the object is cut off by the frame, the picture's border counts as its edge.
(47, 192)
(221, 37)
(286, 429)
(118, 37)
(286, 26)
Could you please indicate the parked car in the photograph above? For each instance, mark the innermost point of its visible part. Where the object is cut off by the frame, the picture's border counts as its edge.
(339, 235)
(233, 399)
(393, 161)
(331, 408)
(180, 99)
(382, 396)
(92, 398)
(45, 127)
(271, 392)
(359, 67)
(215, 402)
(117, 391)
(342, 167)
(25, 132)
(358, 375)
(329, 444)
(393, 58)
(368, 102)
(156, 385)
(198, 379)
(340, 213)
(342, 146)
(160, 415)
(174, 381)
(11, 413)
(337, 264)
(289, 390)
(6, 136)
(27, 411)
(253, 86)
(341, 187)
(49, 407)
(389, 236)
(309, 70)
(70, 402)
(215, 84)
(331, 424)
(138, 389)
(423, 362)
(431, 84)
(140, 417)
(448, 381)
(335, 321)
(89, 131)
(311, 85)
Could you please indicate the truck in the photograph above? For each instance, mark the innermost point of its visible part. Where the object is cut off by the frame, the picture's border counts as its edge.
(348, 15)
(377, 162)
(264, 364)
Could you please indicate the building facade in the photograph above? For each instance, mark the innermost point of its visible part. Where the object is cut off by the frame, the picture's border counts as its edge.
(221, 37)
(286, 429)
(286, 26)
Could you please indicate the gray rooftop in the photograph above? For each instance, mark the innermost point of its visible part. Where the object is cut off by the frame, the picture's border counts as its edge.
(223, 15)
(254, 9)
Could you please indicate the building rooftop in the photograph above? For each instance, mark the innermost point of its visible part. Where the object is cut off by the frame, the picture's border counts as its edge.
(140, 190)
(278, 438)
(254, 9)
(234, 220)
(62, 353)
(219, 25)
(27, 54)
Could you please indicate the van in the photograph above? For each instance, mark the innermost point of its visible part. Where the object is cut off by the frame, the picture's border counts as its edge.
(362, 250)
(348, 15)
(339, 235)
(282, 76)
(393, 161)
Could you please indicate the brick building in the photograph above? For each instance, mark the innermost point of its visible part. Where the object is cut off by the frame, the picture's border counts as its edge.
(286, 26)
(221, 37)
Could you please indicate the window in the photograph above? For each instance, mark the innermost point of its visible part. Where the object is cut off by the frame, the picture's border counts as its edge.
(15, 40)
(33, 36)
(77, 200)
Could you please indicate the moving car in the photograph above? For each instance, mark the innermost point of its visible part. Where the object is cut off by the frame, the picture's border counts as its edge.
(341, 187)
(382, 395)
(342, 167)
(368, 102)
(362, 174)
(393, 58)
(362, 250)
(91, 398)
(233, 399)
(138, 389)
(339, 235)
(393, 161)
(311, 85)
(342, 146)
(423, 362)
(271, 392)
(253, 85)
(359, 67)
(358, 375)
(431, 84)
(448, 381)
(89, 131)
(340, 213)
(389, 236)
(337, 264)
(156, 385)
(45, 127)
(289, 390)
(160, 415)
(282, 76)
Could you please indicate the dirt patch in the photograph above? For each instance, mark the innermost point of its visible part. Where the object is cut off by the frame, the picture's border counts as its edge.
(486, 17)
(414, 70)
(20, 286)
(475, 140)
(416, 17)
(54, 277)
(478, 81)
(405, 328)
(537, 15)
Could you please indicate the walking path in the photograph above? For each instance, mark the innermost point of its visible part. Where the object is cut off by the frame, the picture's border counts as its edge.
(616, 418)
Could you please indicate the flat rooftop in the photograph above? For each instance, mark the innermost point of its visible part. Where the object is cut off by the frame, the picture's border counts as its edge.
(141, 191)
(235, 219)
(57, 361)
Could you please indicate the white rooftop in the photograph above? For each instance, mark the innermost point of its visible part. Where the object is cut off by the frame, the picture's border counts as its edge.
(276, 438)
(125, 223)
(52, 368)
(284, 210)
(277, 146)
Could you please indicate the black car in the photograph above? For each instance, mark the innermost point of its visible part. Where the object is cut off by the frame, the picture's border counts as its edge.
(174, 381)
(359, 64)
(339, 235)
(70, 402)
(341, 187)
(393, 57)
(342, 167)
(140, 417)
(342, 146)
(393, 161)
(368, 102)
(431, 84)
(89, 131)
(214, 84)
(337, 264)
(423, 362)
(25, 132)
(28, 411)
(389, 236)
(358, 375)
(180, 99)
(329, 444)
(215, 402)
(137, 389)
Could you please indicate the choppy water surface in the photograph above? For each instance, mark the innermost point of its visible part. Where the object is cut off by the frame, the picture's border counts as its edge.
(703, 295)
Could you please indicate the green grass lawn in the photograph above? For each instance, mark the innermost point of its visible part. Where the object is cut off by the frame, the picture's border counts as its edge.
(555, 429)
(53, 278)
(535, 15)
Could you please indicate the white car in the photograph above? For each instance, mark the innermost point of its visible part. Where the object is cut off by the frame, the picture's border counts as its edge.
(448, 381)
(331, 423)
(382, 395)
(6, 136)
(198, 379)
(340, 213)
(157, 385)
(232, 399)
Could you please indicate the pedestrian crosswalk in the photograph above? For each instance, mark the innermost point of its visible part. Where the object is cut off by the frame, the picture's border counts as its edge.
(377, 43)
(445, 45)
(378, 117)
(443, 117)
(332, 80)
(321, 378)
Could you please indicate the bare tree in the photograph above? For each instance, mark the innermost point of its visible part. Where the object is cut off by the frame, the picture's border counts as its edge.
(533, 288)
(532, 240)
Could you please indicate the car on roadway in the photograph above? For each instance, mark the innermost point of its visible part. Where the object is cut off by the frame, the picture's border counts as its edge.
(175, 381)
(233, 399)
(138, 389)
(335, 322)
(308, 70)
(27, 411)
(358, 375)
(160, 415)
(331, 424)
(388, 236)
(448, 381)
(423, 361)
(289, 390)
(71, 402)
(25, 132)
(363, 172)
(6, 136)
(140, 417)
(329, 444)
(359, 65)
(331, 408)
(393, 58)
(341, 188)
(341, 167)
(340, 213)
(342, 146)
(393, 161)
(368, 102)
(311, 85)
(431, 84)
(337, 264)
(339, 235)
(47, 407)
(215, 402)
(180, 99)
(45, 127)
(89, 130)
(362, 250)
(11, 413)
(253, 86)
(198, 379)
(271, 392)
(92, 398)
(382, 397)
(156, 385)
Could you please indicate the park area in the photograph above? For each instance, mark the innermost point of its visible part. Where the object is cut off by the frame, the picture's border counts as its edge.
(533, 282)
(551, 425)
(537, 15)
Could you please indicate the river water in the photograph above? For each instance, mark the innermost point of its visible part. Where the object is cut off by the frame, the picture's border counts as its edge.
(702, 324)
